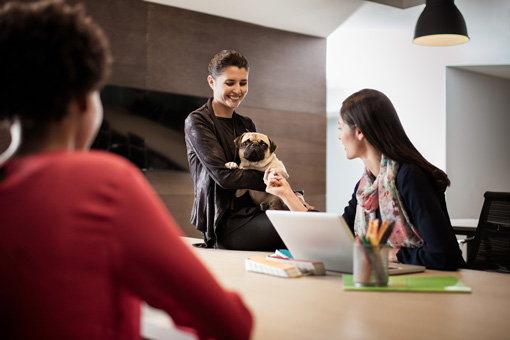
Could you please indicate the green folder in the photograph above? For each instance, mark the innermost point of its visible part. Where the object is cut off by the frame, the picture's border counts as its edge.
(448, 284)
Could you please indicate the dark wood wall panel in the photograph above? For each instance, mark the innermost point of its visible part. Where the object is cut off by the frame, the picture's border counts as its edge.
(287, 69)
(180, 47)
(125, 24)
(176, 191)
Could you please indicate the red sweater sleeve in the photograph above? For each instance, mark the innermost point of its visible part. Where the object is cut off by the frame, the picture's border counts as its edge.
(155, 264)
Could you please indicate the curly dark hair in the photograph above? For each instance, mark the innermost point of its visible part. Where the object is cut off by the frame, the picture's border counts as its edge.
(374, 114)
(225, 59)
(50, 53)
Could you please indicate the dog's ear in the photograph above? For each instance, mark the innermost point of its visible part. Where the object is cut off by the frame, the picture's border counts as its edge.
(237, 141)
(237, 145)
(272, 145)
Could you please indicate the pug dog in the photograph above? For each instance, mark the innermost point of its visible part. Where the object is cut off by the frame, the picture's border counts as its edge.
(256, 151)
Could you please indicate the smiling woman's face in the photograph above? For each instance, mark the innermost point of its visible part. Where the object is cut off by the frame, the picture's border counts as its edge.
(230, 87)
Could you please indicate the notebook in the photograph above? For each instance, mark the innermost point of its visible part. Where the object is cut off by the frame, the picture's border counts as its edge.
(324, 237)
(448, 284)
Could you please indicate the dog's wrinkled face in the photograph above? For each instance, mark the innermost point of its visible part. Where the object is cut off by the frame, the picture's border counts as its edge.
(254, 147)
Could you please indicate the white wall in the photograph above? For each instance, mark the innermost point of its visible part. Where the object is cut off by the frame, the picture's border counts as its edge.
(477, 139)
(373, 49)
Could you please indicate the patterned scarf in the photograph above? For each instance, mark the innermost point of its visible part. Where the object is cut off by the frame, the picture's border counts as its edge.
(381, 192)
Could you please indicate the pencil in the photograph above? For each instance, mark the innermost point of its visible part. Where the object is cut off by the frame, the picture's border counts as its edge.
(387, 232)
(372, 231)
(382, 230)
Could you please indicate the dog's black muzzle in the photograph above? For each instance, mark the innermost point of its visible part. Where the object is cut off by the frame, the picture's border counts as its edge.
(255, 152)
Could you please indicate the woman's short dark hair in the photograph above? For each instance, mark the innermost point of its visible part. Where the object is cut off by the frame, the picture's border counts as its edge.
(50, 53)
(224, 59)
(375, 116)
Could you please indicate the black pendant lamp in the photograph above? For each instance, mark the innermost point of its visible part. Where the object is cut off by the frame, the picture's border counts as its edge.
(440, 24)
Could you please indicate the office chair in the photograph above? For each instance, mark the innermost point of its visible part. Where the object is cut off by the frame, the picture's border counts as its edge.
(491, 244)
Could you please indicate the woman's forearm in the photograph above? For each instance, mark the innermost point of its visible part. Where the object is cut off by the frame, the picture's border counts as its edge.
(292, 202)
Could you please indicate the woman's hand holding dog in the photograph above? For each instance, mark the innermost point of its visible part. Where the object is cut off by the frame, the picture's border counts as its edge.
(278, 186)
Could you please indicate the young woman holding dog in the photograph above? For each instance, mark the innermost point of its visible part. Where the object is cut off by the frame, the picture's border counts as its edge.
(224, 220)
(398, 184)
(84, 238)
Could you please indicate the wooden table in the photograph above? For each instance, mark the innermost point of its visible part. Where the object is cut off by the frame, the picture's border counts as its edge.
(317, 307)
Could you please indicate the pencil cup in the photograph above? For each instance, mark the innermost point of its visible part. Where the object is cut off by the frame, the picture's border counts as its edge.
(370, 265)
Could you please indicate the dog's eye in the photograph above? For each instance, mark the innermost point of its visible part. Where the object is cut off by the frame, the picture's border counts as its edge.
(245, 144)
(263, 144)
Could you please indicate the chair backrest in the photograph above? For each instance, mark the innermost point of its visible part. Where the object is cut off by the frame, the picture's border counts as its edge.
(491, 245)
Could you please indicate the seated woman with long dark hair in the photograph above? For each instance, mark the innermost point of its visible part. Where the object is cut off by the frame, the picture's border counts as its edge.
(398, 185)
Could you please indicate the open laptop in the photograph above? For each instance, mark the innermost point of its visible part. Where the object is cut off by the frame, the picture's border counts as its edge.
(324, 237)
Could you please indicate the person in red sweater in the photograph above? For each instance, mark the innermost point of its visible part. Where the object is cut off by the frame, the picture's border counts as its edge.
(84, 238)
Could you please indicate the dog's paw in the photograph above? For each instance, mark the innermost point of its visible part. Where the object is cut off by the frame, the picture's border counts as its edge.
(231, 165)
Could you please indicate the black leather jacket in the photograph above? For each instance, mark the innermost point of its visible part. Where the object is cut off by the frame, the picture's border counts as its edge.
(215, 185)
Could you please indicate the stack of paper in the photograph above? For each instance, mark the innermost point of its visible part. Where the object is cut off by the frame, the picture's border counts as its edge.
(305, 267)
(262, 265)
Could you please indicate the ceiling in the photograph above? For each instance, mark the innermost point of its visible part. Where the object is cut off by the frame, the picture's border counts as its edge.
(311, 17)
(500, 71)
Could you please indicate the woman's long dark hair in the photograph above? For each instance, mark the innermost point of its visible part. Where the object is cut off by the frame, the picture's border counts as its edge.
(374, 114)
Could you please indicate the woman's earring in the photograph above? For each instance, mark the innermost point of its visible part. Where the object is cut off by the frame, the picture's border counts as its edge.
(15, 130)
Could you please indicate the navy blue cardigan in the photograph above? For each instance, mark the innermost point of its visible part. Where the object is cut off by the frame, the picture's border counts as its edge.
(425, 205)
